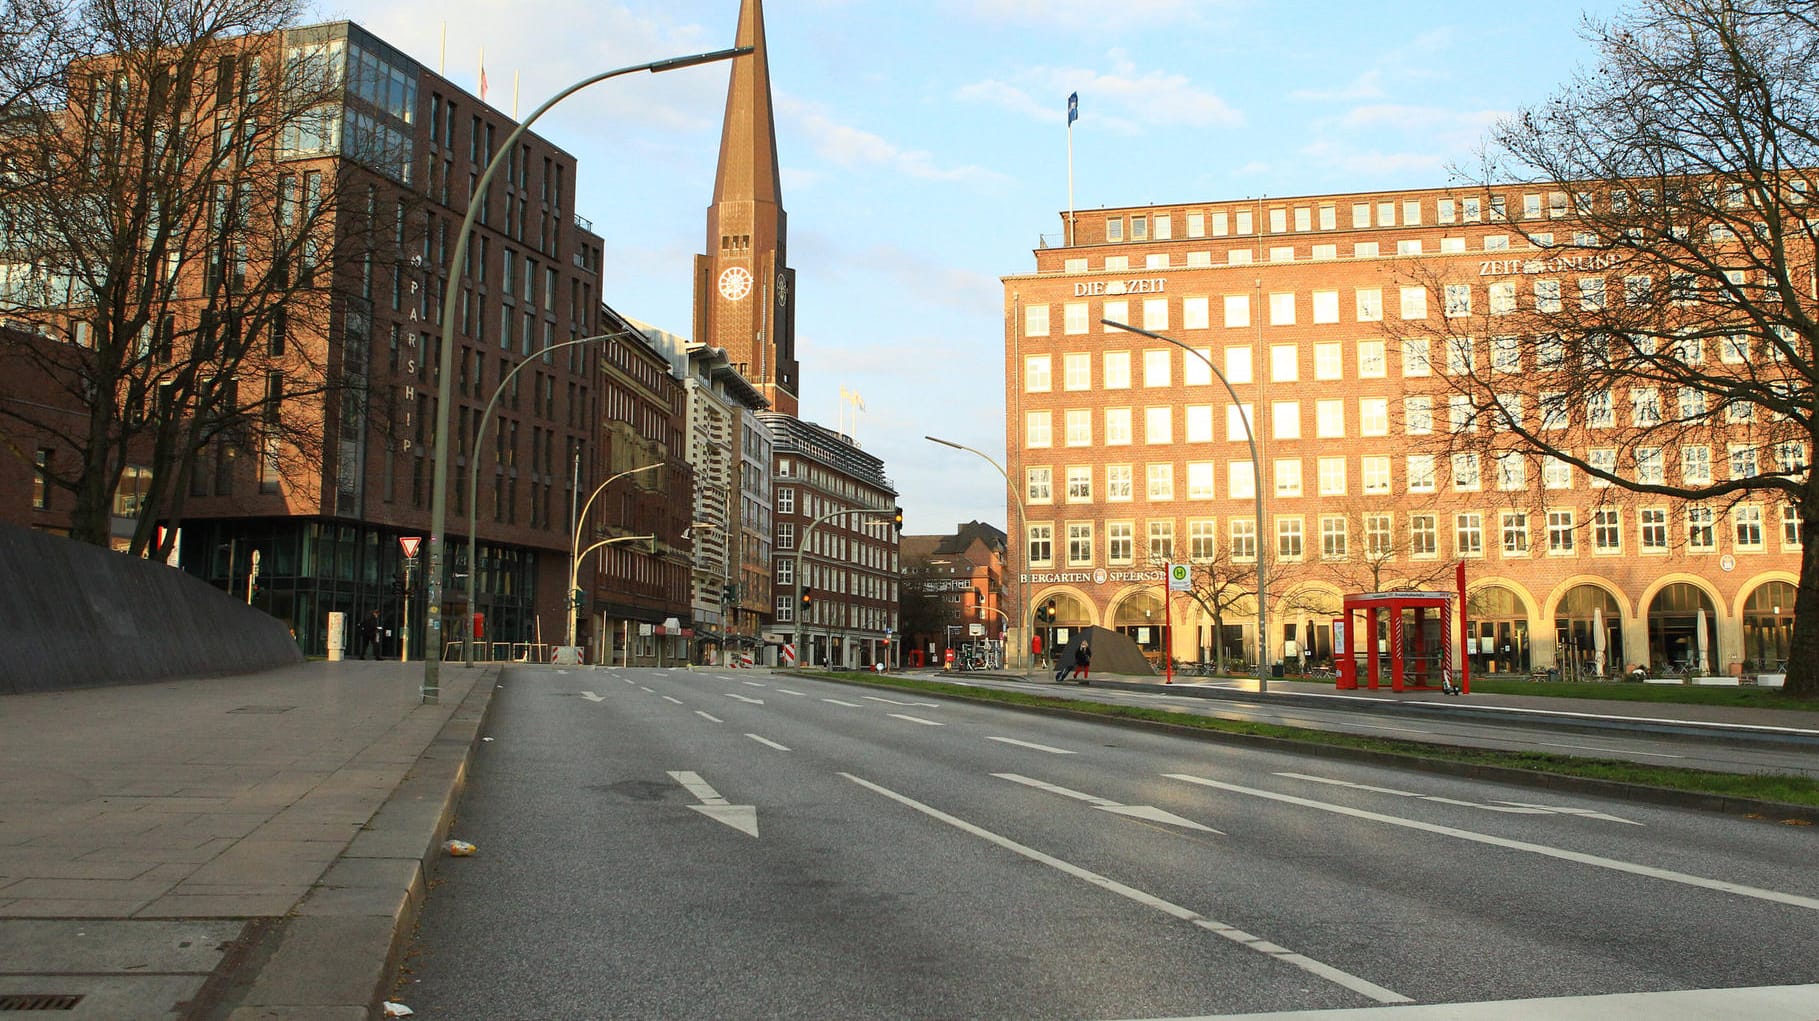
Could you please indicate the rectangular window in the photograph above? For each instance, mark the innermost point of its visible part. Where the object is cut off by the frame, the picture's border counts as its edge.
(1369, 304)
(1117, 365)
(1078, 423)
(1244, 540)
(1199, 423)
(1326, 307)
(1373, 416)
(1237, 311)
(1162, 541)
(1378, 544)
(1607, 530)
(1079, 544)
(1331, 471)
(1328, 361)
(1042, 545)
(1334, 540)
(1468, 534)
(1285, 420)
(1512, 471)
(1457, 301)
(1240, 480)
(1289, 545)
(1118, 311)
(1465, 473)
(1560, 535)
(1747, 521)
(1120, 544)
(1073, 317)
(1696, 465)
(1420, 473)
(1423, 535)
(1653, 522)
(1158, 425)
(1515, 533)
(1414, 303)
(1374, 470)
(1701, 536)
(1791, 528)
(1195, 314)
(1035, 320)
(1416, 359)
(1077, 371)
(1288, 476)
(1237, 365)
(1036, 374)
(1161, 482)
(1202, 540)
(1156, 368)
(1418, 415)
(1196, 369)
(41, 473)
(1038, 431)
(1285, 363)
(1079, 484)
(1155, 313)
(1282, 309)
(1118, 483)
(1329, 418)
(1238, 422)
(1200, 480)
(1117, 427)
(1039, 485)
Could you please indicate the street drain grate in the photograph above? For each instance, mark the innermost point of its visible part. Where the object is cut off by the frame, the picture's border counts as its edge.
(263, 710)
(39, 1001)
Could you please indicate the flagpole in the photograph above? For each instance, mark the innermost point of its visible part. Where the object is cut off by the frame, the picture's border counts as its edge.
(442, 54)
(514, 95)
(1072, 113)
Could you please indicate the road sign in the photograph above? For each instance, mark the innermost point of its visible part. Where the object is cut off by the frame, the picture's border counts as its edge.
(409, 544)
(1180, 578)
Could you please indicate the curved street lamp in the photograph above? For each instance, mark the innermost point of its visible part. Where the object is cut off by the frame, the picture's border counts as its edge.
(1256, 490)
(1023, 606)
(432, 675)
(574, 558)
(473, 475)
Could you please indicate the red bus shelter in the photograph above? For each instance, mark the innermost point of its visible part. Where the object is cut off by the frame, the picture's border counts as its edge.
(1419, 652)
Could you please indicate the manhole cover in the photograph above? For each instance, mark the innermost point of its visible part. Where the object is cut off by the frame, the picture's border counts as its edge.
(263, 710)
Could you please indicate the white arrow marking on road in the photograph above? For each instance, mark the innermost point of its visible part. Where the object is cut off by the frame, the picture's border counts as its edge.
(1148, 812)
(1031, 744)
(591, 697)
(742, 698)
(743, 818)
(915, 719)
(849, 705)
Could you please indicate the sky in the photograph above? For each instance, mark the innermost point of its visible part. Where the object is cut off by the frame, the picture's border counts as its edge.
(924, 154)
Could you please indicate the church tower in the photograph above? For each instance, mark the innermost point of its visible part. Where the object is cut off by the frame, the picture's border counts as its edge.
(745, 292)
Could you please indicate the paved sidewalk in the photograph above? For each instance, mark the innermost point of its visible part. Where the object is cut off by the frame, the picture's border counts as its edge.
(234, 848)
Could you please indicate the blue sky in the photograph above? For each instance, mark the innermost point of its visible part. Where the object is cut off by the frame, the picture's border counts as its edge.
(924, 152)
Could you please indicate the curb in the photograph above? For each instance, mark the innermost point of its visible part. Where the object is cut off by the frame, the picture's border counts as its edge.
(334, 957)
(1642, 793)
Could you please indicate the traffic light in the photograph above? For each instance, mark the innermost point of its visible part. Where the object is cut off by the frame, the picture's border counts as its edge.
(729, 595)
(1046, 612)
(398, 585)
(808, 599)
(578, 599)
(897, 519)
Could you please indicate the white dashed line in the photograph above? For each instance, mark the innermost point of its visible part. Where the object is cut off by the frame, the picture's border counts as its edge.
(915, 719)
(767, 742)
(1030, 744)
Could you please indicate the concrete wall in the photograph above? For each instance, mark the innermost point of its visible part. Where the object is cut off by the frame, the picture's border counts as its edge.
(74, 615)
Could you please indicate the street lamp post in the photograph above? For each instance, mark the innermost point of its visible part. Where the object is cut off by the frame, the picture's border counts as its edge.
(1024, 613)
(473, 479)
(574, 577)
(574, 558)
(802, 546)
(432, 676)
(1256, 490)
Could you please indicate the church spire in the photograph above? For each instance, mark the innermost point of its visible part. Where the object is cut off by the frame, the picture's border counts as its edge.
(745, 292)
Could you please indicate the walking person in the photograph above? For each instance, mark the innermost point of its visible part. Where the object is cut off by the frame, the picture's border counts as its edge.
(1064, 661)
(1083, 662)
(368, 634)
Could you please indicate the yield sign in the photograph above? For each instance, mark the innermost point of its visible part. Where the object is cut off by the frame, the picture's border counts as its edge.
(410, 544)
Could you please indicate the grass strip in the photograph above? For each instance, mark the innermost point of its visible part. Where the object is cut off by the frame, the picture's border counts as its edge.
(1776, 787)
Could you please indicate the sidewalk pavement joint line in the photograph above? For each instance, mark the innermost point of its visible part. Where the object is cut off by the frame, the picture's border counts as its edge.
(1598, 861)
(1358, 985)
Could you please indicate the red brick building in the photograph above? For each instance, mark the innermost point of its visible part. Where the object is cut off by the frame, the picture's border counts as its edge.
(1129, 452)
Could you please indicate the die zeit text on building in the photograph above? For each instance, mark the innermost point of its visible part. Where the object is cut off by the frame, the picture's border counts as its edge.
(1579, 263)
(1153, 285)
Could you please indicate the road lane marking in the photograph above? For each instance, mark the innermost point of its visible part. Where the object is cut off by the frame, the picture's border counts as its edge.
(1567, 810)
(710, 719)
(786, 691)
(1597, 861)
(742, 698)
(915, 719)
(1146, 812)
(667, 698)
(1358, 985)
(743, 818)
(892, 701)
(647, 691)
(1606, 751)
(767, 741)
(755, 684)
(591, 697)
(849, 705)
(1509, 807)
(1030, 744)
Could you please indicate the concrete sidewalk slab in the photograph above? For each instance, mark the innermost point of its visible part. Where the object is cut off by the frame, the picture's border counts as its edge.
(285, 815)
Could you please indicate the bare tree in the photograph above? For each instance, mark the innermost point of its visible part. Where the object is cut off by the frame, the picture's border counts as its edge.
(1661, 338)
(171, 242)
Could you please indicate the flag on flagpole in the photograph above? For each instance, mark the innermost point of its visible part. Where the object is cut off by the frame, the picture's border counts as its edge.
(1073, 108)
(483, 74)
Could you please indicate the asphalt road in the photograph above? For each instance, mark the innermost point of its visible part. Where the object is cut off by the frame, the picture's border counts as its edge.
(668, 844)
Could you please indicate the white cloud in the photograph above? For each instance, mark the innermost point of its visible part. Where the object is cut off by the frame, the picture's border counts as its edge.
(1089, 16)
(1117, 100)
(855, 148)
(1368, 85)
(1345, 161)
